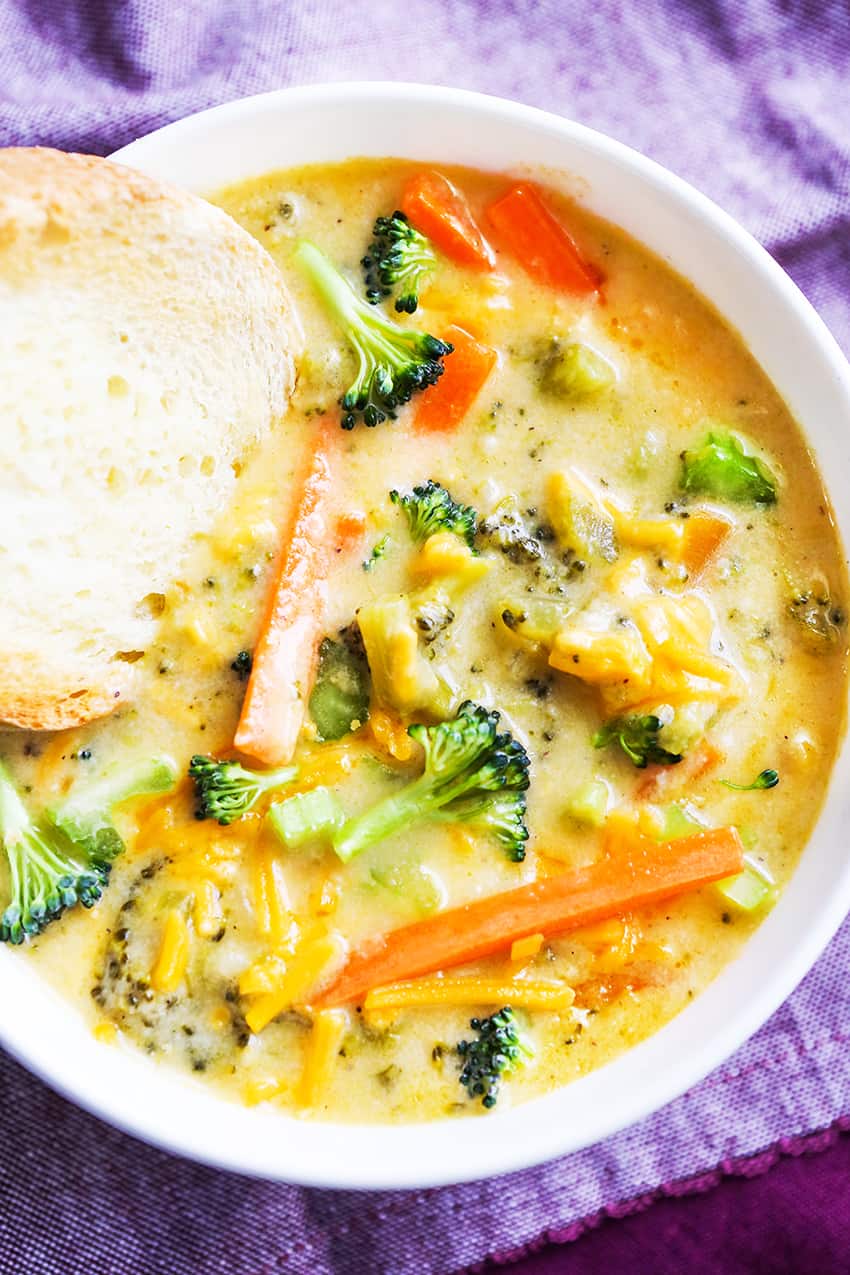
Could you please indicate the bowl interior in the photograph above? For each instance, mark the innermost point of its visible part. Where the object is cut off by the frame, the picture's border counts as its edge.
(325, 123)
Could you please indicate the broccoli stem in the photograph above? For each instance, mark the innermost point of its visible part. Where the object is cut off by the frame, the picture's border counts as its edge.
(88, 807)
(14, 819)
(418, 802)
(414, 804)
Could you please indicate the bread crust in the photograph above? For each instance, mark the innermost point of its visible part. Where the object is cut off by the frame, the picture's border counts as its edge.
(146, 253)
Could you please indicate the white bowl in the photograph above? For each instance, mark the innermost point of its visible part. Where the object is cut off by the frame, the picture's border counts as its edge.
(339, 121)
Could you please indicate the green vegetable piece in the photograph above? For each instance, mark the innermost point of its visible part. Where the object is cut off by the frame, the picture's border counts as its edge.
(767, 779)
(498, 1050)
(393, 363)
(508, 530)
(639, 739)
(575, 371)
(84, 815)
(412, 883)
(679, 821)
(722, 467)
(822, 619)
(749, 889)
(226, 790)
(589, 803)
(379, 550)
(340, 699)
(402, 675)
(65, 859)
(242, 665)
(429, 509)
(473, 775)
(534, 619)
(307, 816)
(399, 258)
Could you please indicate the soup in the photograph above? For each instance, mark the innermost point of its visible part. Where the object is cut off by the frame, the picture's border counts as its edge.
(586, 557)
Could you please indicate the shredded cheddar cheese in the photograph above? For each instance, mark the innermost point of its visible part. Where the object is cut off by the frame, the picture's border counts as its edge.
(301, 975)
(470, 989)
(208, 913)
(271, 898)
(525, 949)
(323, 1045)
(170, 967)
(390, 733)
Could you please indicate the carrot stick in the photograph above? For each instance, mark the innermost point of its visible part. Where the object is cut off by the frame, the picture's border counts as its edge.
(660, 781)
(437, 208)
(443, 406)
(285, 656)
(645, 873)
(542, 246)
(704, 533)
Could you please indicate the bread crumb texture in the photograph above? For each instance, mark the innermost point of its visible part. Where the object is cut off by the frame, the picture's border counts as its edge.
(146, 343)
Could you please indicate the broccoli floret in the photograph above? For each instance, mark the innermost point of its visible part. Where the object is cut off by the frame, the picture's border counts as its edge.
(393, 362)
(433, 616)
(340, 698)
(66, 857)
(507, 530)
(639, 739)
(242, 664)
(429, 508)
(765, 779)
(822, 620)
(398, 257)
(495, 1053)
(722, 467)
(574, 371)
(379, 550)
(472, 773)
(226, 790)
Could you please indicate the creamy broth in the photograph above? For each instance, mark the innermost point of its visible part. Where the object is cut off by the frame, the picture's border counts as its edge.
(245, 901)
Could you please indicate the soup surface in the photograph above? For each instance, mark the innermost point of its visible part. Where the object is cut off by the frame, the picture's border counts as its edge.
(649, 592)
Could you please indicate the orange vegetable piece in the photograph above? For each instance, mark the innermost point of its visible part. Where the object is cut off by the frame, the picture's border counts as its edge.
(443, 406)
(660, 781)
(285, 656)
(540, 243)
(635, 877)
(350, 530)
(438, 209)
(704, 533)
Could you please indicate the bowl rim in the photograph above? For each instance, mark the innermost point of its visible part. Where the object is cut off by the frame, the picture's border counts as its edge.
(410, 1155)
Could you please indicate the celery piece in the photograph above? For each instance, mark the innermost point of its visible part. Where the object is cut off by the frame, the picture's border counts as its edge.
(413, 883)
(589, 803)
(575, 371)
(750, 889)
(680, 821)
(535, 619)
(308, 816)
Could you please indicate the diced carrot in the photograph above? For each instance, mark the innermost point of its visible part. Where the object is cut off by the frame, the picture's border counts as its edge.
(540, 243)
(659, 782)
(437, 208)
(704, 533)
(285, 656)
(350, 529)
(636, 877)
(443, 406)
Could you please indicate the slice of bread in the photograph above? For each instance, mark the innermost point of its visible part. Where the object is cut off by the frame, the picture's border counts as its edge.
(146, 343)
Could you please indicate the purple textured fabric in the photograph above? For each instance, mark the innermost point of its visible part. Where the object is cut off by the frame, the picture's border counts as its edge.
(789, 1221)
(751, 103)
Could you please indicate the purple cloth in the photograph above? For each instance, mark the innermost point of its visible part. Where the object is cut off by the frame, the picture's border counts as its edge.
(789, 1221)
(751, 103)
